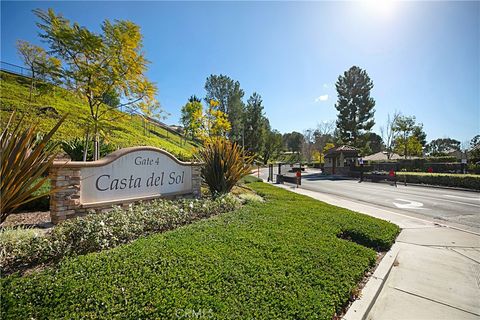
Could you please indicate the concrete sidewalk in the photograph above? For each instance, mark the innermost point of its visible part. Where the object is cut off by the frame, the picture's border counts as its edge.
(436, 273)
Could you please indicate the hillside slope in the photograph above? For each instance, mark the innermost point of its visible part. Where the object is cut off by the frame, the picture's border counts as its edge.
(126, 131)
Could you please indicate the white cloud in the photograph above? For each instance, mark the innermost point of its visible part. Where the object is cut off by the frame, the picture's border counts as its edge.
(326, 86)
(322, 98)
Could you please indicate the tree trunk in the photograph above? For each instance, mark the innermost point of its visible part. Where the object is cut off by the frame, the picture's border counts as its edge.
(96, 151)
(31, 87)
(85, 149)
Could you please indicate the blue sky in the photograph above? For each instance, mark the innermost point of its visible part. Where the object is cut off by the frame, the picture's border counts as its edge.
(423, 57)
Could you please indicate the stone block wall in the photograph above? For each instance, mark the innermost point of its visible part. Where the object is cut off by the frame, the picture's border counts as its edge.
(197, 181)
(65, 203)
(340, 171)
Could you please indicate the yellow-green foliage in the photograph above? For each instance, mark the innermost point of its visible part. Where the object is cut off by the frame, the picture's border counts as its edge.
(126, 131)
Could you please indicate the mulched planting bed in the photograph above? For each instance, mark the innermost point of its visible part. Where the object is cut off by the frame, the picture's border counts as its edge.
(290, 257)
(35, 219)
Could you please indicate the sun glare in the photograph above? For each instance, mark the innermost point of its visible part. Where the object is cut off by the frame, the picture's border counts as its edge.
(380, 8)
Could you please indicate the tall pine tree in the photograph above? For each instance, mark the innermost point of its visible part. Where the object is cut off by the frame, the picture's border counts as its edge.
(355, 106)
(254, 124)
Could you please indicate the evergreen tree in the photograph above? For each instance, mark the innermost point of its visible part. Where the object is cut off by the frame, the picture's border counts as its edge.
(474, 152)
(254, 124)
(293, 141)
(229, 95)
(273, 143)
(374, 143)
(194, 98)
(442, 146)
(355, 106)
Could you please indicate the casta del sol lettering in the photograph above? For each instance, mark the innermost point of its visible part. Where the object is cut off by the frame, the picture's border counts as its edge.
(106, 182)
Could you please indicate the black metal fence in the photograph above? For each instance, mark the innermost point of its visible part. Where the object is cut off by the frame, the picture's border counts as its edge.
(284, 172)
(15, 69)
(418, 166)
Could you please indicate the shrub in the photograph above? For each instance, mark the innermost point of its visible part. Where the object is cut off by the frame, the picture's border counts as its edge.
(249, 179)
(270, 260)
(75, 149)
(250, 197)
(23, 161)
(474, 168)
(41, 203)
(18, 242)
(441, 159)
(100, 231)
(224, 164)
(468, 181)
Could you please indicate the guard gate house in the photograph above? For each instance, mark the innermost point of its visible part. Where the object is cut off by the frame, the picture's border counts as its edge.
(340, 160)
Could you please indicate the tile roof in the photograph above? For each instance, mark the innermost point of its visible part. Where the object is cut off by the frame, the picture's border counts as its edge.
(344, 149)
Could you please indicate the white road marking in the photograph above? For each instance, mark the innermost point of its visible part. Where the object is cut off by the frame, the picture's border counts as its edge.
(409, 205)
(459, 197)
(370, 187)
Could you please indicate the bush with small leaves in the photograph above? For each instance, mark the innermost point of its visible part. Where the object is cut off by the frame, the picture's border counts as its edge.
(271, 260)
(96, 232)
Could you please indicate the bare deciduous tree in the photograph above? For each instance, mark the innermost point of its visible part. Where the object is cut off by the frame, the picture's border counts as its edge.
(326, 127)
(389, 134)
(308, 144)
(323, 135)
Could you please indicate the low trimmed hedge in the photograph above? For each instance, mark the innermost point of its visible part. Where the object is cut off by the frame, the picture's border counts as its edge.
(469, 181)
(284, 258)
(96, 232)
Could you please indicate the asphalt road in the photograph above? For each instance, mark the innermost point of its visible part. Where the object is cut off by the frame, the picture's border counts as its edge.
(445, 206)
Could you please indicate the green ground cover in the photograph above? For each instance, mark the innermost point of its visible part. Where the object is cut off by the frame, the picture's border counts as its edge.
(282, 258)
(126, 131)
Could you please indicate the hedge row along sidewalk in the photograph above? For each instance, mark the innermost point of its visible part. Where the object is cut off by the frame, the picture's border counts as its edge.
(468, 181)
(282, 258)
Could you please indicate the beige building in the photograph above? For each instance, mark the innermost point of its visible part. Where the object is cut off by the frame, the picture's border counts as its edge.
(382, 156)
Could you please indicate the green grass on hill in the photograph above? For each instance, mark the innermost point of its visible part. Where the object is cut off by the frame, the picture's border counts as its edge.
(285, 258)
(125, 131)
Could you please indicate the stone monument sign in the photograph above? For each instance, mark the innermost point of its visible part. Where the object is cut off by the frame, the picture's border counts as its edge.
(123, 177)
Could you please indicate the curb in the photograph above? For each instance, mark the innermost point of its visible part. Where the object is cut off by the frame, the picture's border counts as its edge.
(440, 187)
(361, 307)
(399, 182)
